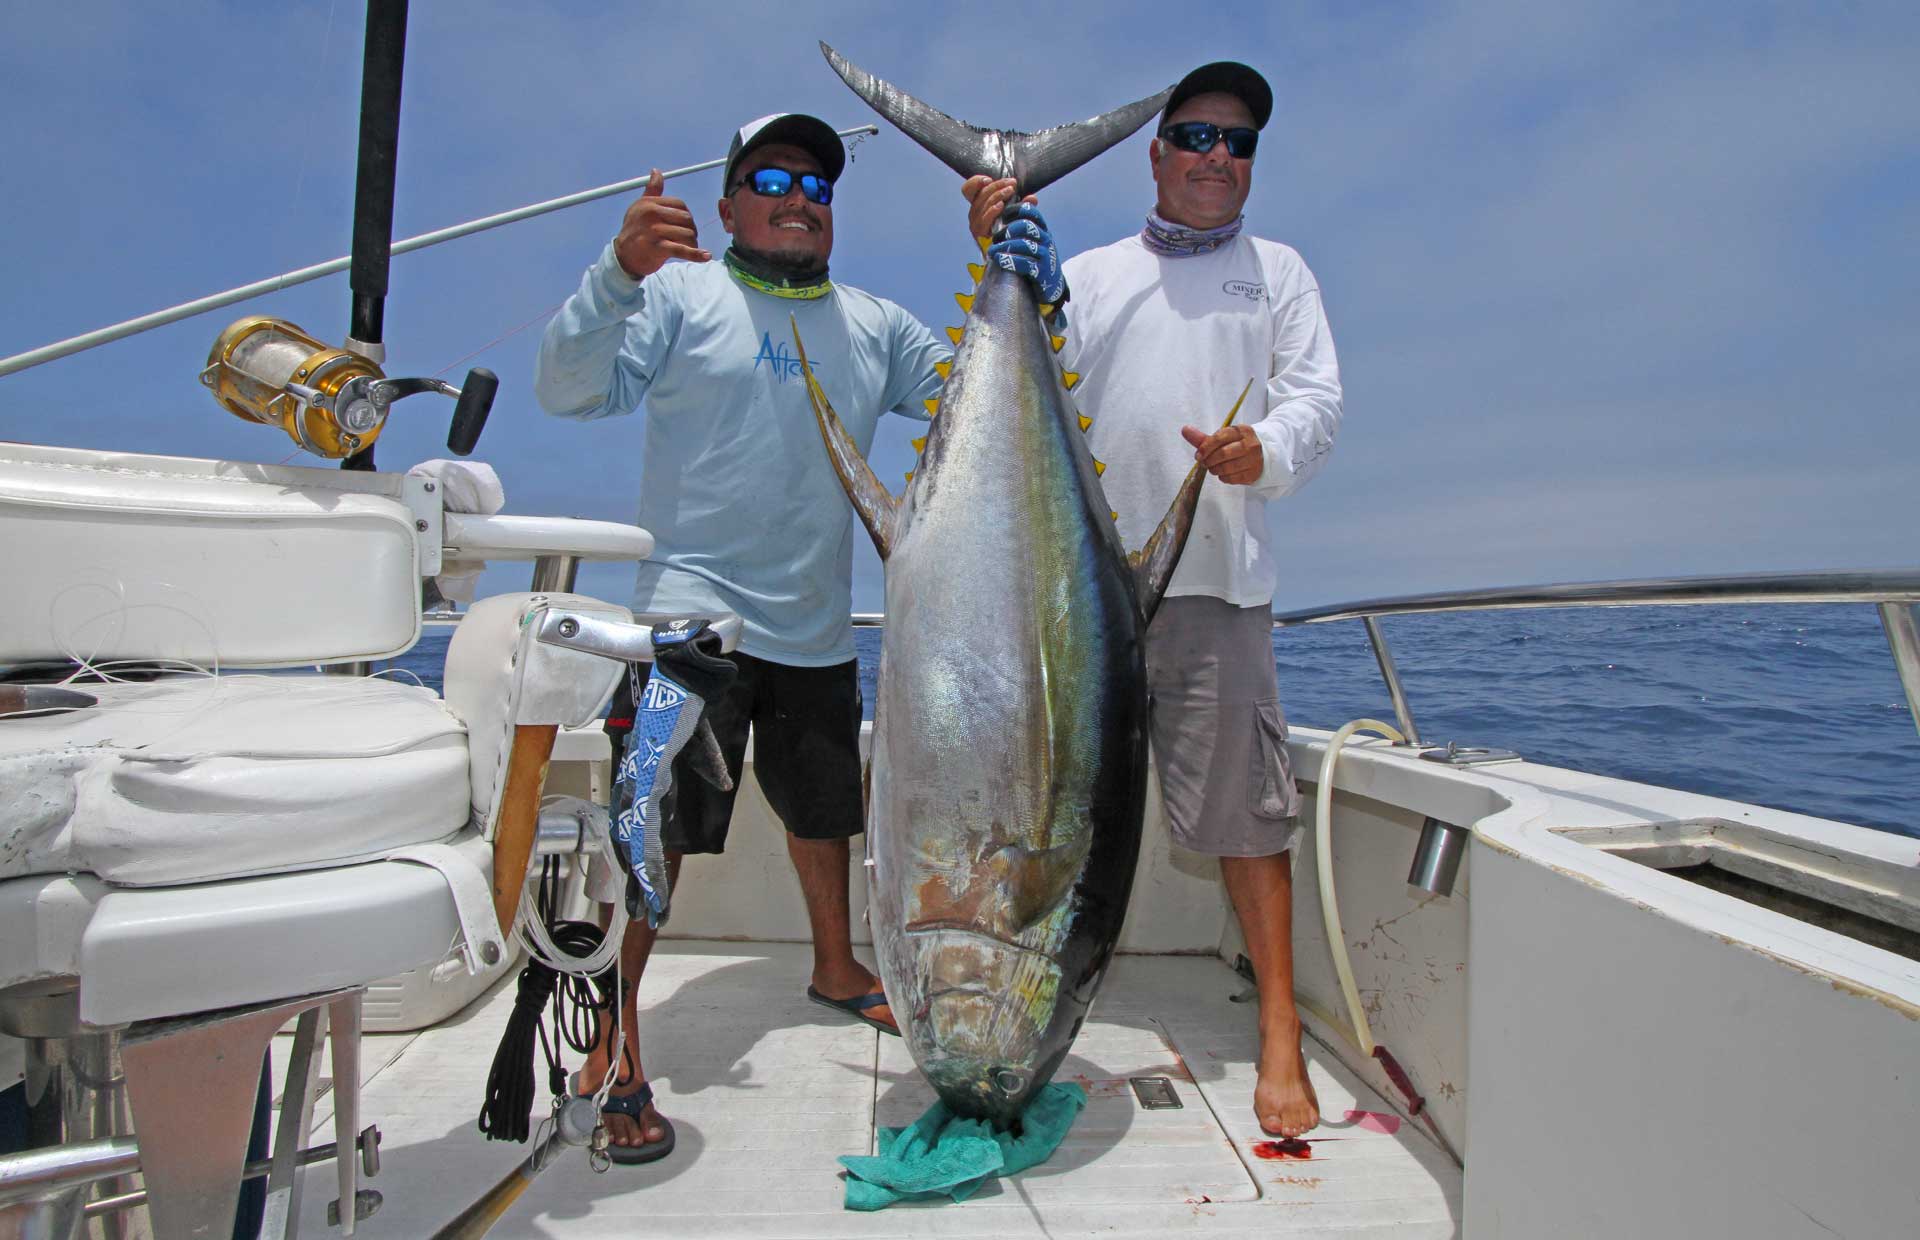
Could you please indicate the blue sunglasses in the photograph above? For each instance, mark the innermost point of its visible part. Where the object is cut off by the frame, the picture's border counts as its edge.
(779, 182)
(1201, 137)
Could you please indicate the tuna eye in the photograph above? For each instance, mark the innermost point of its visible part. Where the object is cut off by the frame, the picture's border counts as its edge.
(1009, 1081)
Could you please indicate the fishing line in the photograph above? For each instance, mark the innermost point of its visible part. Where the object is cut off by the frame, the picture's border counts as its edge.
(386, 672)
(544, 314)
(89, 668)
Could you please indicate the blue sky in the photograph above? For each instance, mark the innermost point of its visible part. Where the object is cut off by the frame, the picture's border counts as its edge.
(1619, 290)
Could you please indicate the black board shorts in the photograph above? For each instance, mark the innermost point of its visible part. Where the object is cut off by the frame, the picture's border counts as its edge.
(806, 728)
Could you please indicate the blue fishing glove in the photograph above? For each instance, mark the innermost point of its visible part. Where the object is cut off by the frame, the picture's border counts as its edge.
(1025, 247)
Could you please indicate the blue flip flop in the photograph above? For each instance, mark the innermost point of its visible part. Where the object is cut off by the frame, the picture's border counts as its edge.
(632, 1106)
(857, 1007)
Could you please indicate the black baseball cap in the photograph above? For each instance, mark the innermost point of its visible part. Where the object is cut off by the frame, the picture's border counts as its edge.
(809, 133)
(1227, 77)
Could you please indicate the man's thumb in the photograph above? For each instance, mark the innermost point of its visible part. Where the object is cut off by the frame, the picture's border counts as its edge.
(655, 184)
(1194, 436)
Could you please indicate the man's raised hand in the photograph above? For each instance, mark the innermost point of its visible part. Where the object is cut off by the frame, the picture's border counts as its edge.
(656, 229)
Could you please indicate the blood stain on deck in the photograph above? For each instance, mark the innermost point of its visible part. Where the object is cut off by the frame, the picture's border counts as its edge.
(1285, 1147)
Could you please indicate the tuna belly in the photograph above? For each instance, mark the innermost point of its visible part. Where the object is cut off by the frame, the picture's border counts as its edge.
(984, 1030)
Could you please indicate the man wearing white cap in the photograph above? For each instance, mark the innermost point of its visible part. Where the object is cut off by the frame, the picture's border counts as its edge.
(746, 512)
(1167, 325)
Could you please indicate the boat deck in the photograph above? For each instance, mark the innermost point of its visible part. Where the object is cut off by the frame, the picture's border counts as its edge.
(766, 1089)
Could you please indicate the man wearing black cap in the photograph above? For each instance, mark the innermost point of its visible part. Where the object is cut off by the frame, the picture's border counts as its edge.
(746, 513)
(1167, 326)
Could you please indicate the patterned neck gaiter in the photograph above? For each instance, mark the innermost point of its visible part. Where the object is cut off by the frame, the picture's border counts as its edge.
(1171, 240)
(763, 279)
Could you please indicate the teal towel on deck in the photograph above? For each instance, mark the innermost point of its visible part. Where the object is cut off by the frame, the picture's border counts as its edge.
(944, 1155)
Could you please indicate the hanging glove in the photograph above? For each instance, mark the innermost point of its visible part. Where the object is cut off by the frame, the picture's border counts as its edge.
(1025, 247)
(465, 486)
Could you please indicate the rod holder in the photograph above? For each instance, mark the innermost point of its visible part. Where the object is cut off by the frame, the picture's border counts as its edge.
(1436, 861)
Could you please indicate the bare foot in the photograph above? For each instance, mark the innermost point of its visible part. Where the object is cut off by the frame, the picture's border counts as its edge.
(1283, 1100)
(852, 983)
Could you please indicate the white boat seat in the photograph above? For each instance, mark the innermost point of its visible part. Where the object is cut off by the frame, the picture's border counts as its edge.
(240, 807)
(191, 779)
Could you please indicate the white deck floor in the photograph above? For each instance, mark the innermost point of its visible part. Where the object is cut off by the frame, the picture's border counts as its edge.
(766, 1089)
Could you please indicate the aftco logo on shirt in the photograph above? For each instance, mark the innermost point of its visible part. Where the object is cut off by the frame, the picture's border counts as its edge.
(785, 365)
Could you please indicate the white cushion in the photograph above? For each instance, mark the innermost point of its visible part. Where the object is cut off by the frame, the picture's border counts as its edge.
(113, 555)
(195, 778)
(499, 677)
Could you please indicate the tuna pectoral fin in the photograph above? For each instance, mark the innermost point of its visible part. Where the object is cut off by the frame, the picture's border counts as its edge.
(1154, 563)
(1036, 160)
(871, 500)
(1035, 882)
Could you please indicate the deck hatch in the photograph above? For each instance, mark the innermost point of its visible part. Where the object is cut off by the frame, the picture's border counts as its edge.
(1869, 901)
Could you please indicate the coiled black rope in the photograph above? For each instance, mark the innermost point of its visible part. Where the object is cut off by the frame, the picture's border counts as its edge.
(506, 1113)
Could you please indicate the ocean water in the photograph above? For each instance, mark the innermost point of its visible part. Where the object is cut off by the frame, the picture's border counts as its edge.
(1794, 707)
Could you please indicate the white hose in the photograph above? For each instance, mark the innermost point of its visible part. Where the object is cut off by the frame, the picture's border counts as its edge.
(1323, 856)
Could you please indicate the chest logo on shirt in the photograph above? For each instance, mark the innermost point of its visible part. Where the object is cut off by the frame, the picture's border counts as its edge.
(782, 361)
(1244, 288)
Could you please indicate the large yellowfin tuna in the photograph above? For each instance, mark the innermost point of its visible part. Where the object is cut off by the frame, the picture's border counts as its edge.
(1009, 761)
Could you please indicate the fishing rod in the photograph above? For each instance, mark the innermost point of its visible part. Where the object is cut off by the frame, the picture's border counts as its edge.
(383, 62)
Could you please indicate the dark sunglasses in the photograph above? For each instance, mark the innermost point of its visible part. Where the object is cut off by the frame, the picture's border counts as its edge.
(778, 183)
(1200, 137)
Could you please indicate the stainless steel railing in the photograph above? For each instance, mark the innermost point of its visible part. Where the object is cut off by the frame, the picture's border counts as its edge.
(1894, 592)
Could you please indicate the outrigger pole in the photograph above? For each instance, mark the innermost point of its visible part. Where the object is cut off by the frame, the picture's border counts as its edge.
(306, 275)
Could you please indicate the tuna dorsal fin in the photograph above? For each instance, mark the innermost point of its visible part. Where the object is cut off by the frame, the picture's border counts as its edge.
(1035, 160)
(875, 504)
(1154, 563)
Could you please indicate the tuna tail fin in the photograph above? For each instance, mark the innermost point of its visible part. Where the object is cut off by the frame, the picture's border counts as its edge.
(871, 499)
(1035, 160)
(1154, 563)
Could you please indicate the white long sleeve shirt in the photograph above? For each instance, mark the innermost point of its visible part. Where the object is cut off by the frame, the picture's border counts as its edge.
(1162, 343)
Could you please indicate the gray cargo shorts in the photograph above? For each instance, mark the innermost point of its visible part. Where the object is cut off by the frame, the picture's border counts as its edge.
(1219, 737)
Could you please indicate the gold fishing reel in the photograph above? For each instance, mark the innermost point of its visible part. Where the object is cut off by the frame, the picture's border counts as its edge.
(332, 402)
(269, 371)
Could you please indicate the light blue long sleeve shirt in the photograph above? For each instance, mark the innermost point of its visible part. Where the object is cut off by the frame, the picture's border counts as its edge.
(736, 487)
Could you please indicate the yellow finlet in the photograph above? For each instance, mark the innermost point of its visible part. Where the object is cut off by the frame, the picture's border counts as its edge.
(933, 405)
(983, 243)
(954, 334)
(943, 369)
(1071, 378)
(1085, 421)
(1113, 514)
(978, 272)
(909, 475)
(966, 302)
(920, 444)
(1058, 343)
(1099, 467)
(1046, 309)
